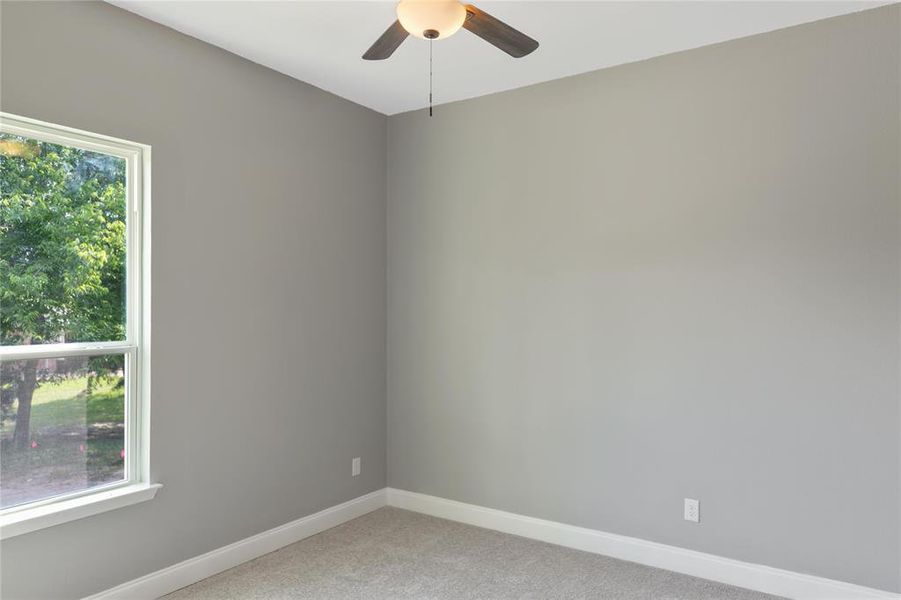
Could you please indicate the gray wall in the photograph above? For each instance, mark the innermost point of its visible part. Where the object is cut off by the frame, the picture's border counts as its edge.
(677, 278)
(268, 287)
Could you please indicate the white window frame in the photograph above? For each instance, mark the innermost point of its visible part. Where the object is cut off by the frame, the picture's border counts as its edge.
(136, 485)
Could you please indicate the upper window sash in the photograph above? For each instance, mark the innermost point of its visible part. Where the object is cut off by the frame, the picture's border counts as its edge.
(137, 158)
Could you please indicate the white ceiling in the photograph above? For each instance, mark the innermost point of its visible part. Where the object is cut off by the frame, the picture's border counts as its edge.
(321, 42)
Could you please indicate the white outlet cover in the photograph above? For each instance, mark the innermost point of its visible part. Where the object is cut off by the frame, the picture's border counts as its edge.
(355, 467)
(692, 510)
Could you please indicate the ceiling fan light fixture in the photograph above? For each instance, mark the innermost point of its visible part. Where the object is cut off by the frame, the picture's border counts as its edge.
(431, 19)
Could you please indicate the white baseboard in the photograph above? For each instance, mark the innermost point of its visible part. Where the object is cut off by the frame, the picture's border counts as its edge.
(708, 566)
(200, 567)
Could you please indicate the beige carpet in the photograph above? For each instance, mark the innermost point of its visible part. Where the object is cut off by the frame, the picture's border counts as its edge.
(393, 553)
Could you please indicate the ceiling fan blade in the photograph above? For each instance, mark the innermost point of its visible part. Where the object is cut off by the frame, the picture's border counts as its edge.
(387, 43)
(497, 33)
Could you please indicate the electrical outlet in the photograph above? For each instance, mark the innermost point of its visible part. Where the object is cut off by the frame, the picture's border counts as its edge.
(355, 467)
(692, 510)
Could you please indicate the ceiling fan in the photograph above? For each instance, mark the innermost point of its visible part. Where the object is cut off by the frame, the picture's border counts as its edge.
(439, 19)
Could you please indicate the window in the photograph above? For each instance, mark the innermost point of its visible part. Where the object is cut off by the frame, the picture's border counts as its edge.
(74, 369)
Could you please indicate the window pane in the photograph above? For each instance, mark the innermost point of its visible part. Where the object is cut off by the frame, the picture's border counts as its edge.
(62, 426)
(62, 243)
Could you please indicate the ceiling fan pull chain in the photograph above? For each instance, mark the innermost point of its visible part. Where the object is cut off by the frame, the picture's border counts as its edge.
(430, 78)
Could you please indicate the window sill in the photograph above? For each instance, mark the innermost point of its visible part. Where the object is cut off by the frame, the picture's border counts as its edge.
(56, 513)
